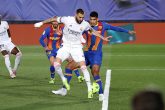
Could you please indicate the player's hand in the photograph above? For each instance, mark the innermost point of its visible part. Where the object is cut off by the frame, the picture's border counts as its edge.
(107, 38)
(46, 48)
(131, 32)
(83, 40)
(37, 25)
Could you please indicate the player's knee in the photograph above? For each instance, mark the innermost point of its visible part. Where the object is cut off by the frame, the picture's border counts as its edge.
(19, 54)
(52, 62)
(95, 71)
(83, 67)
(56, 64)
(69, 66)
(6, 56)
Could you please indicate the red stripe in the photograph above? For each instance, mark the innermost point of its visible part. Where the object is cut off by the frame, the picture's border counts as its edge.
(58, 42)
(98, 39)
(50, 41)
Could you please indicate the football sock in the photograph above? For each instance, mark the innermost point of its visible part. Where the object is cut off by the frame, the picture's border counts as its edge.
(17, 60)
(8, 64)
(52, 70)
(87, 77)
(99, 82)
(77, 72)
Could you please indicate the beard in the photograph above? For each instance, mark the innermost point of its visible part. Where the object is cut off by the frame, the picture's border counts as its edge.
(79, 22)
(55, 26)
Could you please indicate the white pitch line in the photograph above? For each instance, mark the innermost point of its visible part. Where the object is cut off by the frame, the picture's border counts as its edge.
(106, 90)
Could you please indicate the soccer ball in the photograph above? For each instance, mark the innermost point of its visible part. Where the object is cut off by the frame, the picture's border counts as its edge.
(95, 88)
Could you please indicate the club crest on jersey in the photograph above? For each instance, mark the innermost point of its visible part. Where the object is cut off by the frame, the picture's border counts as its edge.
(81, 28)
(100, 27)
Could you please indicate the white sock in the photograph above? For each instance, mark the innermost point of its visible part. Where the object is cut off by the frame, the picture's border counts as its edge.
(17, 60)
(58, 69)
(87, 77)
(8, 64)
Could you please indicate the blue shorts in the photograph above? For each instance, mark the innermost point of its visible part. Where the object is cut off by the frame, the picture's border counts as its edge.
(51, 53)
(93, 57)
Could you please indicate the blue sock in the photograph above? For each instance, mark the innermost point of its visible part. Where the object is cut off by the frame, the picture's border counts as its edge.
(77, 72)
(52, 70)
(99, 82)
(68, 75)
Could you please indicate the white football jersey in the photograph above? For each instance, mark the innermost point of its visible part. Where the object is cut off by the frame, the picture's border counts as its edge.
(72, 32)
(4, 37)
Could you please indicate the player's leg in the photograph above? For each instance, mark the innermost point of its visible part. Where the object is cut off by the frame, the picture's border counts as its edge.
(77, 73)
(15, 51)
(95, 69)
(62, 55)
(80, 78)
(7, 63)
(87, 78)
(57, 64)
(72, 65)
(78, 56)
(95, 72)
(52, 70)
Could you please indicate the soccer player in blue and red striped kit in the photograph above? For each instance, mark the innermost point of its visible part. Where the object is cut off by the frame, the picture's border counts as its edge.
(53, 34)
(93, 50)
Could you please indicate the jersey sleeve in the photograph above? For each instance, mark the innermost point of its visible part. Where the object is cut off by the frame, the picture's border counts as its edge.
(6, 25)
(115, 28)
(43, 36)
(88, 27)
(62, 19)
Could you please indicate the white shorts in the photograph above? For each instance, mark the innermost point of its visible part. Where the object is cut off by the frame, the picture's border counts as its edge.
(7, 46)
(76, 53)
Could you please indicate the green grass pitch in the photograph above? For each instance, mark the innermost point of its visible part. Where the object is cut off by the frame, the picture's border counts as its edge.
(133, 68)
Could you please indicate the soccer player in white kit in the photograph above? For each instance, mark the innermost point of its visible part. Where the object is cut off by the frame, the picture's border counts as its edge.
(7, 48)
(74, 26)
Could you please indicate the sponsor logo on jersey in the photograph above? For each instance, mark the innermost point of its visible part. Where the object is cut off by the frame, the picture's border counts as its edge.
(54, 38)
(76, 33)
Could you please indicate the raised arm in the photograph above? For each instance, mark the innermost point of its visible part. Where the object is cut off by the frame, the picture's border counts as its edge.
(119, 29)
(39, 24)
(94, 32)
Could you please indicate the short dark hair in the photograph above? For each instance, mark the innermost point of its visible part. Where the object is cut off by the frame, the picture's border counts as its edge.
(148, 100)
(80, 11)
(94, 14)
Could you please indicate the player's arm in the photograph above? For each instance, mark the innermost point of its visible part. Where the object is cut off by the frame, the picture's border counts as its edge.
(94, 32)
(119, 29)
(39, 24)
(42, 38)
